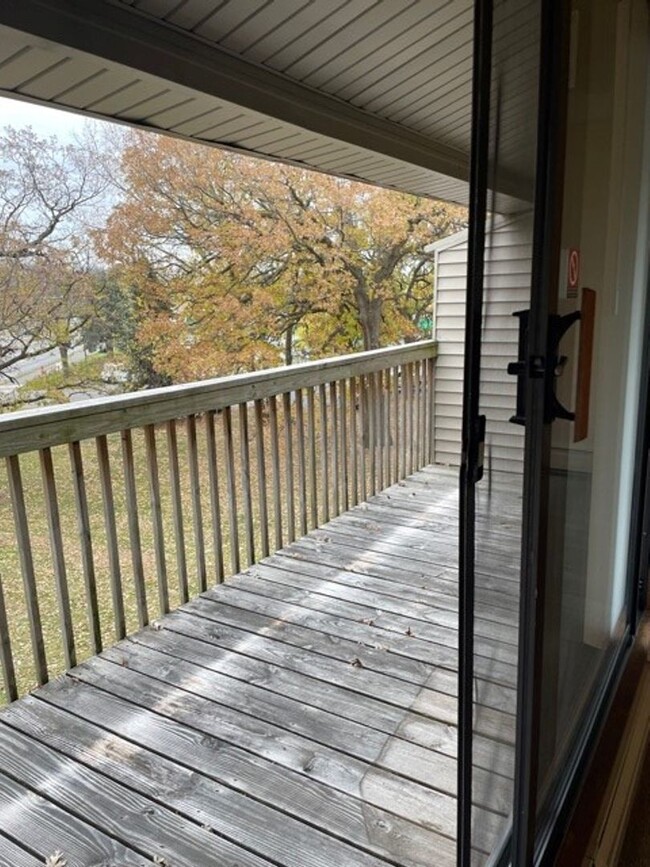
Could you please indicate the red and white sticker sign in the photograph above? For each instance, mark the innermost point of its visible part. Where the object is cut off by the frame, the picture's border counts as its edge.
(573, 272)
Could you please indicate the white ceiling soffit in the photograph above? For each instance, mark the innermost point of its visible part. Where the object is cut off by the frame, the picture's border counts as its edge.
(377, 90)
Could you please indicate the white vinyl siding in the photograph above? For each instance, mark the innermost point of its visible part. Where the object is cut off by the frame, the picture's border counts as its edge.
(507, 289)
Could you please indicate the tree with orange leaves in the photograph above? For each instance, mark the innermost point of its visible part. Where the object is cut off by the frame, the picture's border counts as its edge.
(240, 264)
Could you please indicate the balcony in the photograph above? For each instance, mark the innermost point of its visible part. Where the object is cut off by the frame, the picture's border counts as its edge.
(229, 636)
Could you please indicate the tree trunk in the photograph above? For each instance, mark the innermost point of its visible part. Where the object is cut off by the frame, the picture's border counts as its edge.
(374, 324)
(65, 361)
(369, 311)
(288, 346)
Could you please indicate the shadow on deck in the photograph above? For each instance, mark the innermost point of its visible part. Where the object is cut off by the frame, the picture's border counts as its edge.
(301, 714)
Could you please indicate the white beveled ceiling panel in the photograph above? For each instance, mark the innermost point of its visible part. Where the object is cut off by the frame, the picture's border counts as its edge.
(380, 55)
(378, 90)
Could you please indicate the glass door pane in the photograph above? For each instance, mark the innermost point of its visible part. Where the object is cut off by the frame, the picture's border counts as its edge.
(497, 498)
(590, 471)
(573, 265)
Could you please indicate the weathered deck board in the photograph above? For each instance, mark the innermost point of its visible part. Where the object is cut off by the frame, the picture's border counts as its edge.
(11, 853)
(348, 818)
(263, 612)
(383, 597)
(44, 828)
(346, 584)
(318, 692)
(227, 628)
(300, 715)
(191, 796)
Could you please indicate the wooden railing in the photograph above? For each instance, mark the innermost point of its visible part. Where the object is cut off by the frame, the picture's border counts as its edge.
(123, 506)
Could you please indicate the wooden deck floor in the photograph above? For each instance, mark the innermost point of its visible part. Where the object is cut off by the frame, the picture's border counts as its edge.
(303, 714)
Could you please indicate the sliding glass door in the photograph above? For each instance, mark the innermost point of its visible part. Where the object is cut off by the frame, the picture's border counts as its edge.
(555, 339)
(500, 274)
(595, 341)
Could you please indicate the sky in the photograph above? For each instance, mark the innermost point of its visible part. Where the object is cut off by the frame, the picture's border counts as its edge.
(43, 120)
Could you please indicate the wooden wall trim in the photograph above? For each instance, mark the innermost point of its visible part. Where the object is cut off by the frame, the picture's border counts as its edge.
(597, 825)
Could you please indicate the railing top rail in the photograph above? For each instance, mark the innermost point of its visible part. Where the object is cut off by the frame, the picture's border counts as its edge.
(32, 429)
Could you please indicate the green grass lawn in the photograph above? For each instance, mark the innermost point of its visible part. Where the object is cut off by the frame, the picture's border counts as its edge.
(56, 384)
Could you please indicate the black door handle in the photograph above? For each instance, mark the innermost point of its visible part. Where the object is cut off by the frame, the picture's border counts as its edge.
(549, 366)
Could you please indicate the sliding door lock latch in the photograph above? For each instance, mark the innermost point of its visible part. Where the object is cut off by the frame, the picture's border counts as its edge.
(549, 366)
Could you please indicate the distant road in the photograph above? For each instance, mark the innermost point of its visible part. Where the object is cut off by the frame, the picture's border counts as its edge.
(29, 368)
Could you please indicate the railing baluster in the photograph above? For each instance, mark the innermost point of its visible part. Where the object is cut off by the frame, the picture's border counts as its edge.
(17, 495)
(416, 417)
(288, 465)
(407, 416)
(261, 477)
(385, 434)
(6, 655)
(134, 527)
(275, 466)
(402, 422)
(343, 393)
(410, 416)
(302, 469)
(336, 454)
(108, 504)
(233, 518)
(156, 517)
(418, 406)
(384, 405)
(365, 435)
(388, 437)
(311, 438)
(385, 427)
(324, 456)
(423, 414)
(58, 557)
(354, 441)
(381, 432)
(86, 545)
(215, 505)
(395, 399)
(371, 393)
(246, 483)
(197, 510)
(431, 409)
(177, 510)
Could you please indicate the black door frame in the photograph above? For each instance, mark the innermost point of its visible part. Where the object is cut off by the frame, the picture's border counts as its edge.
(521, 841)
(551, 128)
(527, 844)
(479, 169)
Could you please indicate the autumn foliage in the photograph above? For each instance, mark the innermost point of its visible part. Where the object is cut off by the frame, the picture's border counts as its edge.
(196, 262)
(238, 264)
